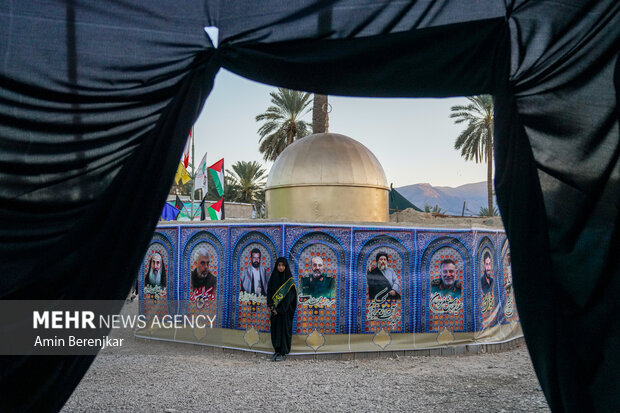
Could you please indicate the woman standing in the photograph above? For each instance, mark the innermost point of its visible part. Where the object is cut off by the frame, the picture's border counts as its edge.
(282, 302)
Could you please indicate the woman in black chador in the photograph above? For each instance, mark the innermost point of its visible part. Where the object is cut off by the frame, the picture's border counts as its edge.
(282, 301)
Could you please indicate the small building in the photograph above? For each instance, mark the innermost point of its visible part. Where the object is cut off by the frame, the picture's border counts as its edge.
(232, 210)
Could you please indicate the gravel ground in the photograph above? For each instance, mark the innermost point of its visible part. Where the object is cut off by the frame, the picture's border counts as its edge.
(168, 377)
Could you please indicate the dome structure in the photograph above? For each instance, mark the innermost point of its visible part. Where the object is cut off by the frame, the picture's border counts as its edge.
(327, 177)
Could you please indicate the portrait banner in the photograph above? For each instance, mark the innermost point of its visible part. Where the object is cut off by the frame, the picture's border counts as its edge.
(383, 267)
(444, 266)
(253, 257)
(359, 288)
(320, 267)
(509, 313)
(203, 271)
(156, 286)
(489, 289)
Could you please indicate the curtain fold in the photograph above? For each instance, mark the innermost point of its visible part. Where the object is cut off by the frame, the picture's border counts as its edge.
(403, 64)
(98, 256)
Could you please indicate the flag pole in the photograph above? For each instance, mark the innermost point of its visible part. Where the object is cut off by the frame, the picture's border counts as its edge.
(191, 193)
(223, 189)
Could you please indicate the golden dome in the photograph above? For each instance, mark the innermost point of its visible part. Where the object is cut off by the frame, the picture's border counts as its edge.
(327, 177)
(326, 159)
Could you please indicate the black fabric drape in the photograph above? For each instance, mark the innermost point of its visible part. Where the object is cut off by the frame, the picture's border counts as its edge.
(382, 65)
(97, 99)
(93, 269)
(91, 130)
(557, 184)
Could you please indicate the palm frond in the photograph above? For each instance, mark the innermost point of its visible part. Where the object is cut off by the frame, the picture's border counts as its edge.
(476, 140)
(248, 179)
(282, 124)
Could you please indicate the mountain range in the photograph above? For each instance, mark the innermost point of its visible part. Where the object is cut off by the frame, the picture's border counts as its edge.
(447, 198)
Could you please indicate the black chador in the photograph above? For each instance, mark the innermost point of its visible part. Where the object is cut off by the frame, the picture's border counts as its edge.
(282, 302)
(377, 284)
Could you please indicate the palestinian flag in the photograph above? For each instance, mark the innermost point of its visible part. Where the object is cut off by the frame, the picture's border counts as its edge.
(215, 210)
(217, 172)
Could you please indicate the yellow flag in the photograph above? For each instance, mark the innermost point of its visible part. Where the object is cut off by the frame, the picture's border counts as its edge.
(182, 174)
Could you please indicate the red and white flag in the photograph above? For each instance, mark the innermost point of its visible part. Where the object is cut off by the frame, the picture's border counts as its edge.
(188, 145)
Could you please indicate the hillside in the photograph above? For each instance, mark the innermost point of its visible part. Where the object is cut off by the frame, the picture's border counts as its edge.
(448, 198)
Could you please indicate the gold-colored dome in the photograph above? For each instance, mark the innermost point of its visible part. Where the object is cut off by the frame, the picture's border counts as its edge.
(327, 177)
(326, 159)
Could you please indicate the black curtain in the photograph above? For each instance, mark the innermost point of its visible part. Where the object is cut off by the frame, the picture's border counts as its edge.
(96, 101)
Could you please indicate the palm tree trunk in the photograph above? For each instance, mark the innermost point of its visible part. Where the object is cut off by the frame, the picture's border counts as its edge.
(319, 114)
(291, 136)
(490, 179)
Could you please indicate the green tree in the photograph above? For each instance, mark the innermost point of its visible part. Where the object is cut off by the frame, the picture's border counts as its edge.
(436, 209)
(247, 180)
(484, 212)
(476, 140)
(261, 209)
(230, 190)
(282, 123)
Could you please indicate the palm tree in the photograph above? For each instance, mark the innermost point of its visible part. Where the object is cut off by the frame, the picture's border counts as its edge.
(247, 180)
(484, 212)
(435, 210)
(476, 141)
(320, 114)
(282, 124)
(231, 189)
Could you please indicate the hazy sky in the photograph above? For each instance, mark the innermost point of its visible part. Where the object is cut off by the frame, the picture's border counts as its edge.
(412, 138)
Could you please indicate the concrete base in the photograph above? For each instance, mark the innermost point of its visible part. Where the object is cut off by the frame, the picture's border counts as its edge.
(459, 350)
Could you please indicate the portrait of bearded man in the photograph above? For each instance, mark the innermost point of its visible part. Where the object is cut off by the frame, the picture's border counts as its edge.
(254, 279)
(156, 274)
(201, 277)
(486, 281)
(383, 283)
(318, 284)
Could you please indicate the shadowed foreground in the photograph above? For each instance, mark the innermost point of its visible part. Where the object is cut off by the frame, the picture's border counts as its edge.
(160, 376)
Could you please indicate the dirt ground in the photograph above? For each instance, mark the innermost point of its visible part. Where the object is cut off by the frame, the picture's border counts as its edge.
(146, 375)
